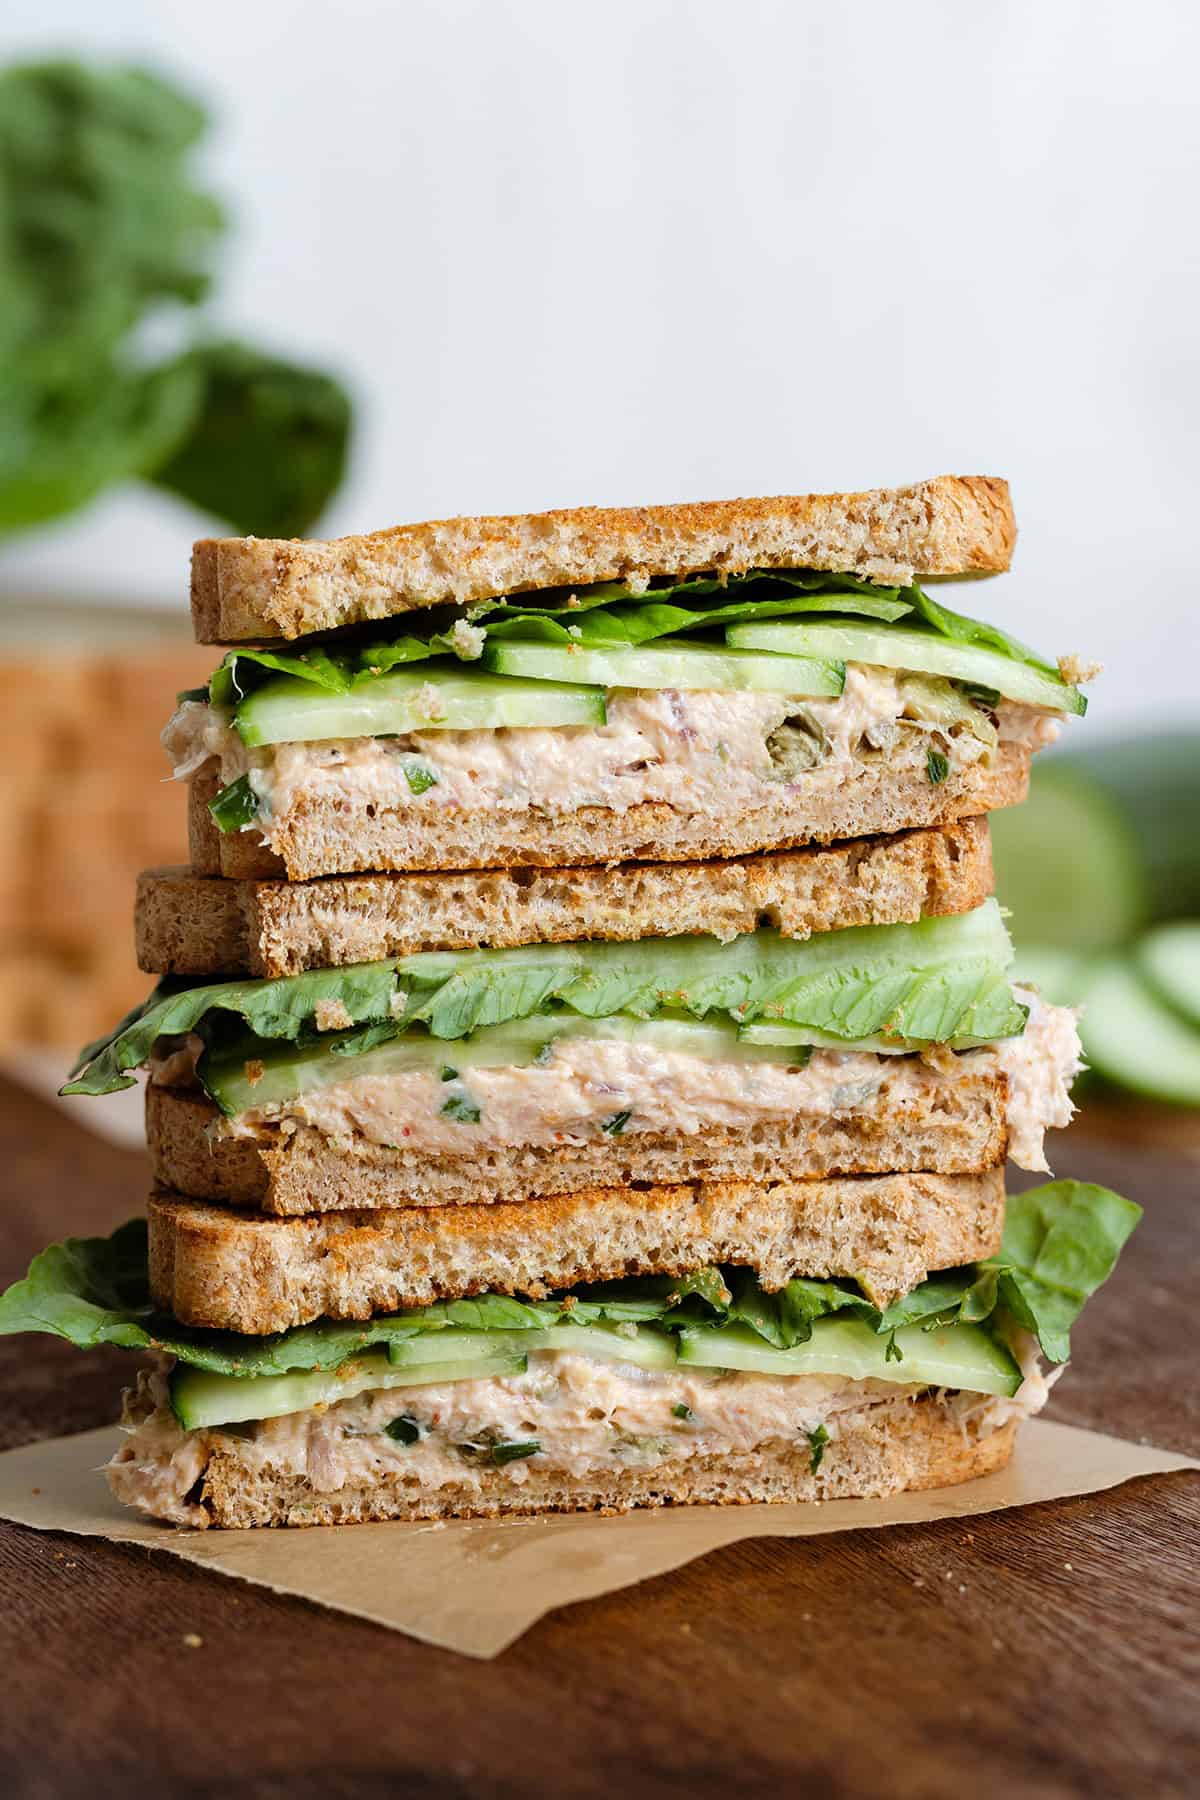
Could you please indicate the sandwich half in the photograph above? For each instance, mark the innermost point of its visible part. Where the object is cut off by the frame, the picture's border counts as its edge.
(708, 1387)
(467, 1077)
(571, 689)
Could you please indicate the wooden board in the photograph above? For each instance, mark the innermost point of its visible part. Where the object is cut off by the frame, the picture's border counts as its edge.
(1045, 1653)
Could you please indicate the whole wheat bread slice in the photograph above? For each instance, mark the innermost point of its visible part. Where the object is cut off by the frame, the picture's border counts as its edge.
(879, 1448)
(244, 1272)
(320, 837)
(957, 1127)
(200, 925)
(253, 588)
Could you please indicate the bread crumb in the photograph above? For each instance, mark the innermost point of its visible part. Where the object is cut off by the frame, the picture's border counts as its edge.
(468, 640)
(1077, 669)
(193, 1640)
(254, 1071)
(332, 1015)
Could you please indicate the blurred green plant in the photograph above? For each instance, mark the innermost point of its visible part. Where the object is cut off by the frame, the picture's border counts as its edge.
(103, 234)
(1101, 872)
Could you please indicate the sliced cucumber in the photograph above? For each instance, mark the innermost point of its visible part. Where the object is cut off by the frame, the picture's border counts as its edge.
(289, 711)
(1132, 1038)
(1068, 864)
(670, 663)
(800, 1037)
(199, 1397)
(956, 1356)
(643, 1346)
(282, 1071)
(1169, 959)
(1058, 975)
(925, 652)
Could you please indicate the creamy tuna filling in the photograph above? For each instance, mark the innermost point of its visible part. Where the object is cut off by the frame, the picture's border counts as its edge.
(588, 1419)
(591, 1088)
(700, 751)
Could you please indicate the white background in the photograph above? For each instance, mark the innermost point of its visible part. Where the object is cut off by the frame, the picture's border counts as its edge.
(646, 251)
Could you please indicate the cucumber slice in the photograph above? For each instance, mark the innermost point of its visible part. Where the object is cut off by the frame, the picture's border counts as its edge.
(283, 1071)
(289, 711)
(1169, 959)
(1067, 863)
(200, 1398)
(1058, 975)
(956, 1356)
(800, 1037)
(925, 652)
(644, 1347)
(670, 663)
(1132, 1038)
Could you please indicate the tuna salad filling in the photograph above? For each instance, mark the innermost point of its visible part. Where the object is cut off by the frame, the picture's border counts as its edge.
(700, 751)
(580, 1418)
(584, 1089)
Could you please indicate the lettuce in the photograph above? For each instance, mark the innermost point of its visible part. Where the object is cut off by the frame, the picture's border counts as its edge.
(1061, 1243)
(283, 1008)
(610, 613)
(939, 980)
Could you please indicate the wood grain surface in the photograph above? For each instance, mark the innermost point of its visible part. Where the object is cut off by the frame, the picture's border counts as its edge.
(1042, 1653)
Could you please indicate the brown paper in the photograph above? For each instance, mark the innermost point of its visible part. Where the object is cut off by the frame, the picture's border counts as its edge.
(475, 1586)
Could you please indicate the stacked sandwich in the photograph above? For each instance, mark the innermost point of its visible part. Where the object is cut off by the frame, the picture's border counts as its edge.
(585, 1057)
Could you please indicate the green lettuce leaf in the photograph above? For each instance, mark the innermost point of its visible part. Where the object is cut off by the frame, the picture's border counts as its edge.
(973, 631)
(283, 1008)
(938, 980)
(610, 613)
(1061, 1243)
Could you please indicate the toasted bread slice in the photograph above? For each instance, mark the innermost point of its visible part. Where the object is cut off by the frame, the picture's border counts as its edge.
(196, 925)
(244, 1272)
(880, 1447)
(248, 588)
(321, 837)
(957, 1127)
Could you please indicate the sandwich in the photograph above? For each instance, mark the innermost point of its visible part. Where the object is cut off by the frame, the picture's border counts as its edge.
(585, 1055)
(604, 686)
(468, 1077)
(712, 1388)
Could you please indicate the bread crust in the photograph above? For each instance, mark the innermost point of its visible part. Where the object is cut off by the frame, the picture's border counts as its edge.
(886, 1448)
(200, 925)
(245, 1272)
(958, 1129)
(253, 588)
(321, 838)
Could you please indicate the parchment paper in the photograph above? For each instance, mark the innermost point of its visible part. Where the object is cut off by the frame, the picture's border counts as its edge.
(474, 1587)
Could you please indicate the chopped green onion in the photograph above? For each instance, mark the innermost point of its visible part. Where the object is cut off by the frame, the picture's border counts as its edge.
(506, 1453)
(235, 806)
(419, 777)
(460, 1107)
